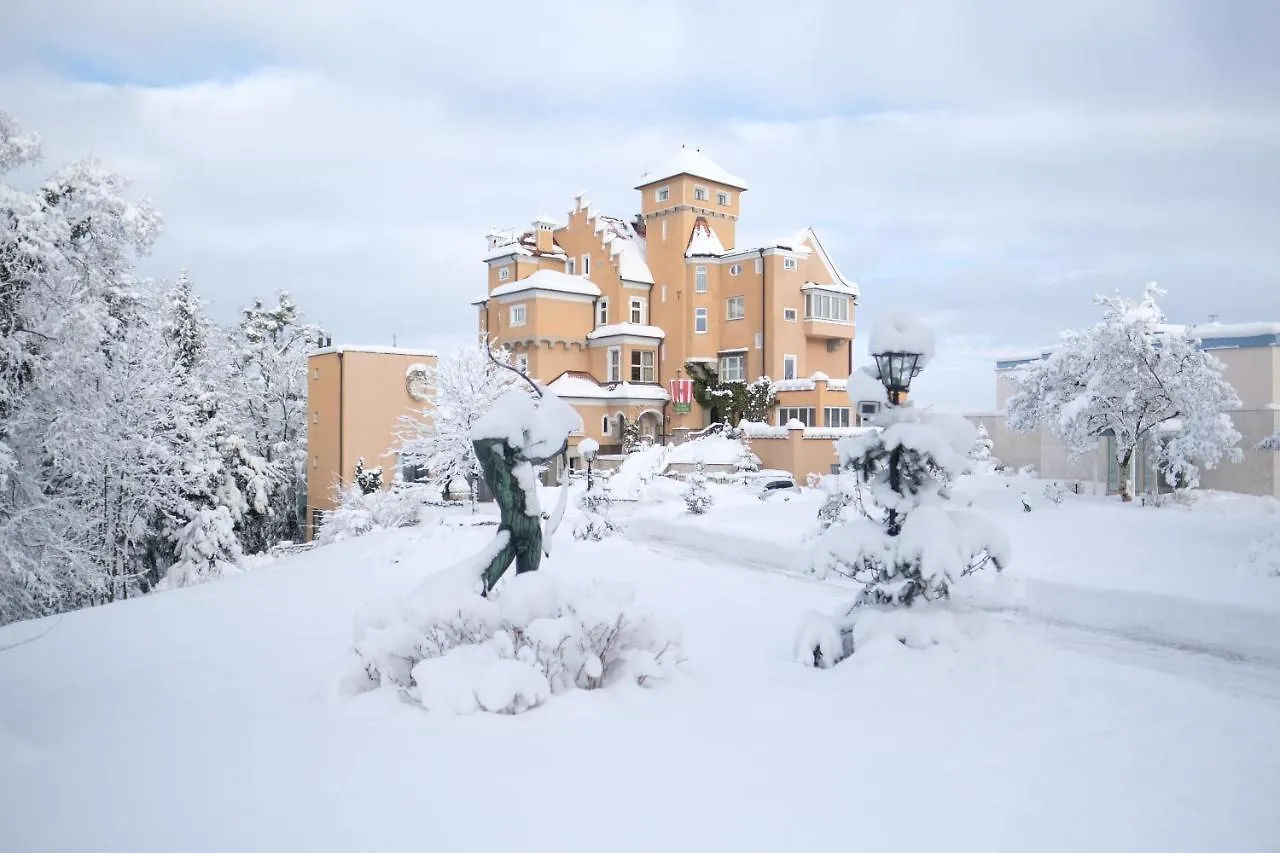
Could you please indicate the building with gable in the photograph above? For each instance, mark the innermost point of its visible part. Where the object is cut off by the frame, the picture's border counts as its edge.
(607, 310)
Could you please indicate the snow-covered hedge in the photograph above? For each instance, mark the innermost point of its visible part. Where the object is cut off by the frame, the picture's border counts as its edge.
(360, 513)
(453, 650)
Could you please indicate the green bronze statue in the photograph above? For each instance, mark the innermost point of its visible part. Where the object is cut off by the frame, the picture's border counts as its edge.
(498, 461)
(519, 432)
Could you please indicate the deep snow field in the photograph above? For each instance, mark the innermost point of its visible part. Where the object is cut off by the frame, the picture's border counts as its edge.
(1117, 689)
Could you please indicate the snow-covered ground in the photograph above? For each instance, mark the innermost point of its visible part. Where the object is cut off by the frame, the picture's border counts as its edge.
(207, 719)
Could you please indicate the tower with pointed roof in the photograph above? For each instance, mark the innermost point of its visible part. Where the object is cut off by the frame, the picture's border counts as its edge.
(606, 310)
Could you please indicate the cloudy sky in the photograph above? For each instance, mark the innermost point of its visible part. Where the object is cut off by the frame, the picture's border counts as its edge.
(989, 165)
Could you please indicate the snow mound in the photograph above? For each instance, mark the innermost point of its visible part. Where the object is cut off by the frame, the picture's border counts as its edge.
(712, 450)
(1263, 557)
(824, 640)
(637, 469)
(453, 650)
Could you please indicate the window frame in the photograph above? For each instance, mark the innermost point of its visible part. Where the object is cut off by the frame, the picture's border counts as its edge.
(847, 417)
(613, 364)
(570, 266)
(662, 194)
(794, 361)
(740, 359)
(635, 309)
(586, 266)
(523, 313)
(794, 412)
(701, 313)
(735, 269)
(739, 300)
(790, 264)
(701, 193)
(724, 198)
(794, 315)
(701, 279)
(504, 273)
(639, 368)
(827, 307)
(602, 312)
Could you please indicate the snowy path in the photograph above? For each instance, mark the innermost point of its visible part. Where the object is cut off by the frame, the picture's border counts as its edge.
(1229, 633)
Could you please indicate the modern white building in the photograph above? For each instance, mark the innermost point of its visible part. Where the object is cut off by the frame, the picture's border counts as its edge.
(1251, 354)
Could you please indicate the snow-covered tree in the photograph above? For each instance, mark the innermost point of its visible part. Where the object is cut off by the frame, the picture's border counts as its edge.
(368, 480)
(467, 383)
(697, 497)
(747, 462)
(595, 504)
(916, 548)
(980, 455)
(1134, 377)
(270, 370)
(1271, 442)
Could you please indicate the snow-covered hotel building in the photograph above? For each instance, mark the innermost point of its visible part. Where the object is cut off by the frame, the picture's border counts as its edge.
(607, 310)
(1250, 353)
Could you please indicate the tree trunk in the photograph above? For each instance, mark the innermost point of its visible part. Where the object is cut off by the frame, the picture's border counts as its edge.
(1126, 476)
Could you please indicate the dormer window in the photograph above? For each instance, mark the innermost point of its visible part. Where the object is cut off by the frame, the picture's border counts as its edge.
(700, 194)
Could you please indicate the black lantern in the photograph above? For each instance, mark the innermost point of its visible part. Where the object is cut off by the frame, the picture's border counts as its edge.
(896, 371)
(588, 449)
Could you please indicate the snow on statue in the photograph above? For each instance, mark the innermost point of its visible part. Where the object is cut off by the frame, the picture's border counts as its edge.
(1136, 378)
(904, 547)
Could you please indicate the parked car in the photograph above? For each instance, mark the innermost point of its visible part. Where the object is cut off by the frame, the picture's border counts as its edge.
(769, 482)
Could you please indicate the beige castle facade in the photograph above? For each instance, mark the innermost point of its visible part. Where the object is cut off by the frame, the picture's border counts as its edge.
(607, 310)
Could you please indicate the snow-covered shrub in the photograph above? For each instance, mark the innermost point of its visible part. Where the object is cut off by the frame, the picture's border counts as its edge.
(697, 498)
(1263, 557)
(595, 504)
(454, 650)
(359, 512)
(813, 480)
(747, 462)
(368, 480)
(982, 460)
(1054, 492)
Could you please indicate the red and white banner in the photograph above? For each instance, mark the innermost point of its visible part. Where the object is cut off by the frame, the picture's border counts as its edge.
(682, 395)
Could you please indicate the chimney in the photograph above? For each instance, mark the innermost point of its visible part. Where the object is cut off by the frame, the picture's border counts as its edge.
(496, 238)
(542, 234)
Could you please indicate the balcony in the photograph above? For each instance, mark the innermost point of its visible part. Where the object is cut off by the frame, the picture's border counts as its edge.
(817, 328)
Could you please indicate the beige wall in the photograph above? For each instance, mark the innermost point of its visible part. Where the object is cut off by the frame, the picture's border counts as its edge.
(354, 400)
(799, 455)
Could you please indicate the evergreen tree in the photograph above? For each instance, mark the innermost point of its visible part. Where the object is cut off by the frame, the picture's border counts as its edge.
(697, 497)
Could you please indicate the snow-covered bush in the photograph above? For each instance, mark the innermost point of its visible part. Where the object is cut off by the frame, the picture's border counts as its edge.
(368, 480)
(824, 640)
(982, 460)
(1054, 492)
(697, 497)
(747, 462)
(452, 649)
(359, 512)
(595, 504)
(813, 480)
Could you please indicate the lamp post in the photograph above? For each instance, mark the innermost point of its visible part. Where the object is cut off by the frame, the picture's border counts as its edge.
(895, 370)
(587, 449)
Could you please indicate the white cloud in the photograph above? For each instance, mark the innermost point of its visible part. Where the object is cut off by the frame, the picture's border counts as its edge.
(993, 169)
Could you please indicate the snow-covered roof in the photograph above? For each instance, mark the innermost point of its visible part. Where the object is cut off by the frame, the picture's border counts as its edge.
(626, 247)
(1210, 335)
(553, 280)
(691, 161)
(838, 287)
(703, 240)
(575, 385)
(504, 244)
(341, 348)
(808, 383)
(634, 329)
